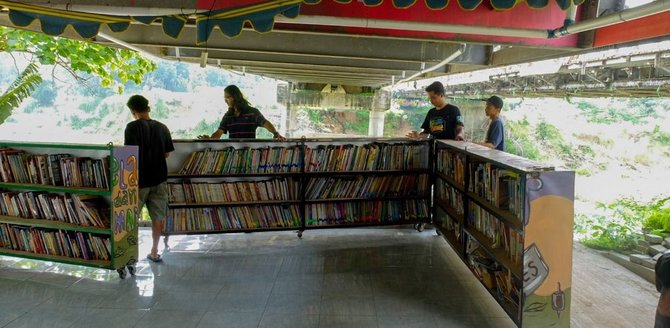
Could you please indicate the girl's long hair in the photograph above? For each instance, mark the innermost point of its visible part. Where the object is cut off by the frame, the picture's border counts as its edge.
(238, 99)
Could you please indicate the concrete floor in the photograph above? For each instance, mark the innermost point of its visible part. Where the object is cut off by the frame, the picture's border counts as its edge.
(394, 277)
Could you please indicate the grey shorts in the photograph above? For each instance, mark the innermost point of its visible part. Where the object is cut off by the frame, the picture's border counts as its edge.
(156, 200)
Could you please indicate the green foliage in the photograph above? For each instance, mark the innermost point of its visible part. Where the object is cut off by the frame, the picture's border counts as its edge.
(203, 127)
(398, 124)
(657, 215)
(173, 77)
(659, 137)
(314, 116)
(215, 78)
(85, 58)
(109, 64)
(520, 141)
(160, 111)
(619, 223)
(583, 172)
(548, 132)
(45, 94)
(77, 123)
(638, 112)
(19, 90)
(91, 106)
(642, 159)
(359, 126)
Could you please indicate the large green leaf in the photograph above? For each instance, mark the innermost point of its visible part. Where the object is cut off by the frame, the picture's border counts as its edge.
(19, 90)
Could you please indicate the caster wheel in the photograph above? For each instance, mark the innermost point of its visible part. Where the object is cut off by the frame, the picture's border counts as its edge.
(122, 273)
(131, 270)
(420, 227)
(299, 234)
(438, 232)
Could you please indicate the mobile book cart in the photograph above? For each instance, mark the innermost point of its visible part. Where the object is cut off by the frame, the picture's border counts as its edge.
(220, 186)
(70, 203)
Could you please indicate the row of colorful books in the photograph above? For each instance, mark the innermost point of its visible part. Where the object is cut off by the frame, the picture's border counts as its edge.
(201, 192)
(450, 195)
(369, 157)
(243, 160)
(18, 166)
(497, 232)
(503, 188)
(42, 205)
(232, 218)
(366, 212)
(367, 186)
(451, 164)
(74, 244)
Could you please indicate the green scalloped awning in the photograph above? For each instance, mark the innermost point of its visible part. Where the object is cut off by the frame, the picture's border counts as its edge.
(229, 20)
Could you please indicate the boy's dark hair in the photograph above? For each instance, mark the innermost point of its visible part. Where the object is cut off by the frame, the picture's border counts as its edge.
(496, 101)
(138, 104)
(437, 88)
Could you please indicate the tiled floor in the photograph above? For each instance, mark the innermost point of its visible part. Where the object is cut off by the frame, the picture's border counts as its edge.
(329, 278)
(393, 277)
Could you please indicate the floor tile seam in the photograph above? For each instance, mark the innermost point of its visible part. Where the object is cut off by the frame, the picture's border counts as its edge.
(23, 314)
(267, 301)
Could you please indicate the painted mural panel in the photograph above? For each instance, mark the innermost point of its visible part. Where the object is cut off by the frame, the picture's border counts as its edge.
(547, 265)
(125, 198)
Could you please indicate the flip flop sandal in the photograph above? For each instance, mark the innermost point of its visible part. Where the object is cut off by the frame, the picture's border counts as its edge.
(154, 259)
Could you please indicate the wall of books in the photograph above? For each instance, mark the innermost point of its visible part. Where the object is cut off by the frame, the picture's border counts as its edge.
(253, 185)
(69, 203)
(510, 220)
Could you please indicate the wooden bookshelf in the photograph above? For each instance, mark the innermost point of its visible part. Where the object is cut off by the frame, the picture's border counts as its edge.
(406, 158)
(450, 210)
(240, 203)
(43, 223)
(380, 172)
(232, 175)
(451, 181)
(58, 189)
(348, 200)
(359, 224)
(73, 211)
(541, 231)
(499, 254)
(506, 216)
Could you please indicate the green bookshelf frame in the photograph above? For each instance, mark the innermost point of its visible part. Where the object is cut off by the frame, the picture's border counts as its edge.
(123, 214)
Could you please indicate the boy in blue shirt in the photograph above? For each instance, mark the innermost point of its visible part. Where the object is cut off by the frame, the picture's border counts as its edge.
(495, 136)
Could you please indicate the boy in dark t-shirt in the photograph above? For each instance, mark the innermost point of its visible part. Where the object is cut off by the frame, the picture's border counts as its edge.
(155, 144)
(444, 121)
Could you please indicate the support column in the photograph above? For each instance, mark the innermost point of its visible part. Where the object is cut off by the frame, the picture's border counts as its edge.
(291, 117)
(380, 104)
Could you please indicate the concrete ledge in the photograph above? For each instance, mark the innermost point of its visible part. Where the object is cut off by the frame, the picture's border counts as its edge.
(644, 272)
